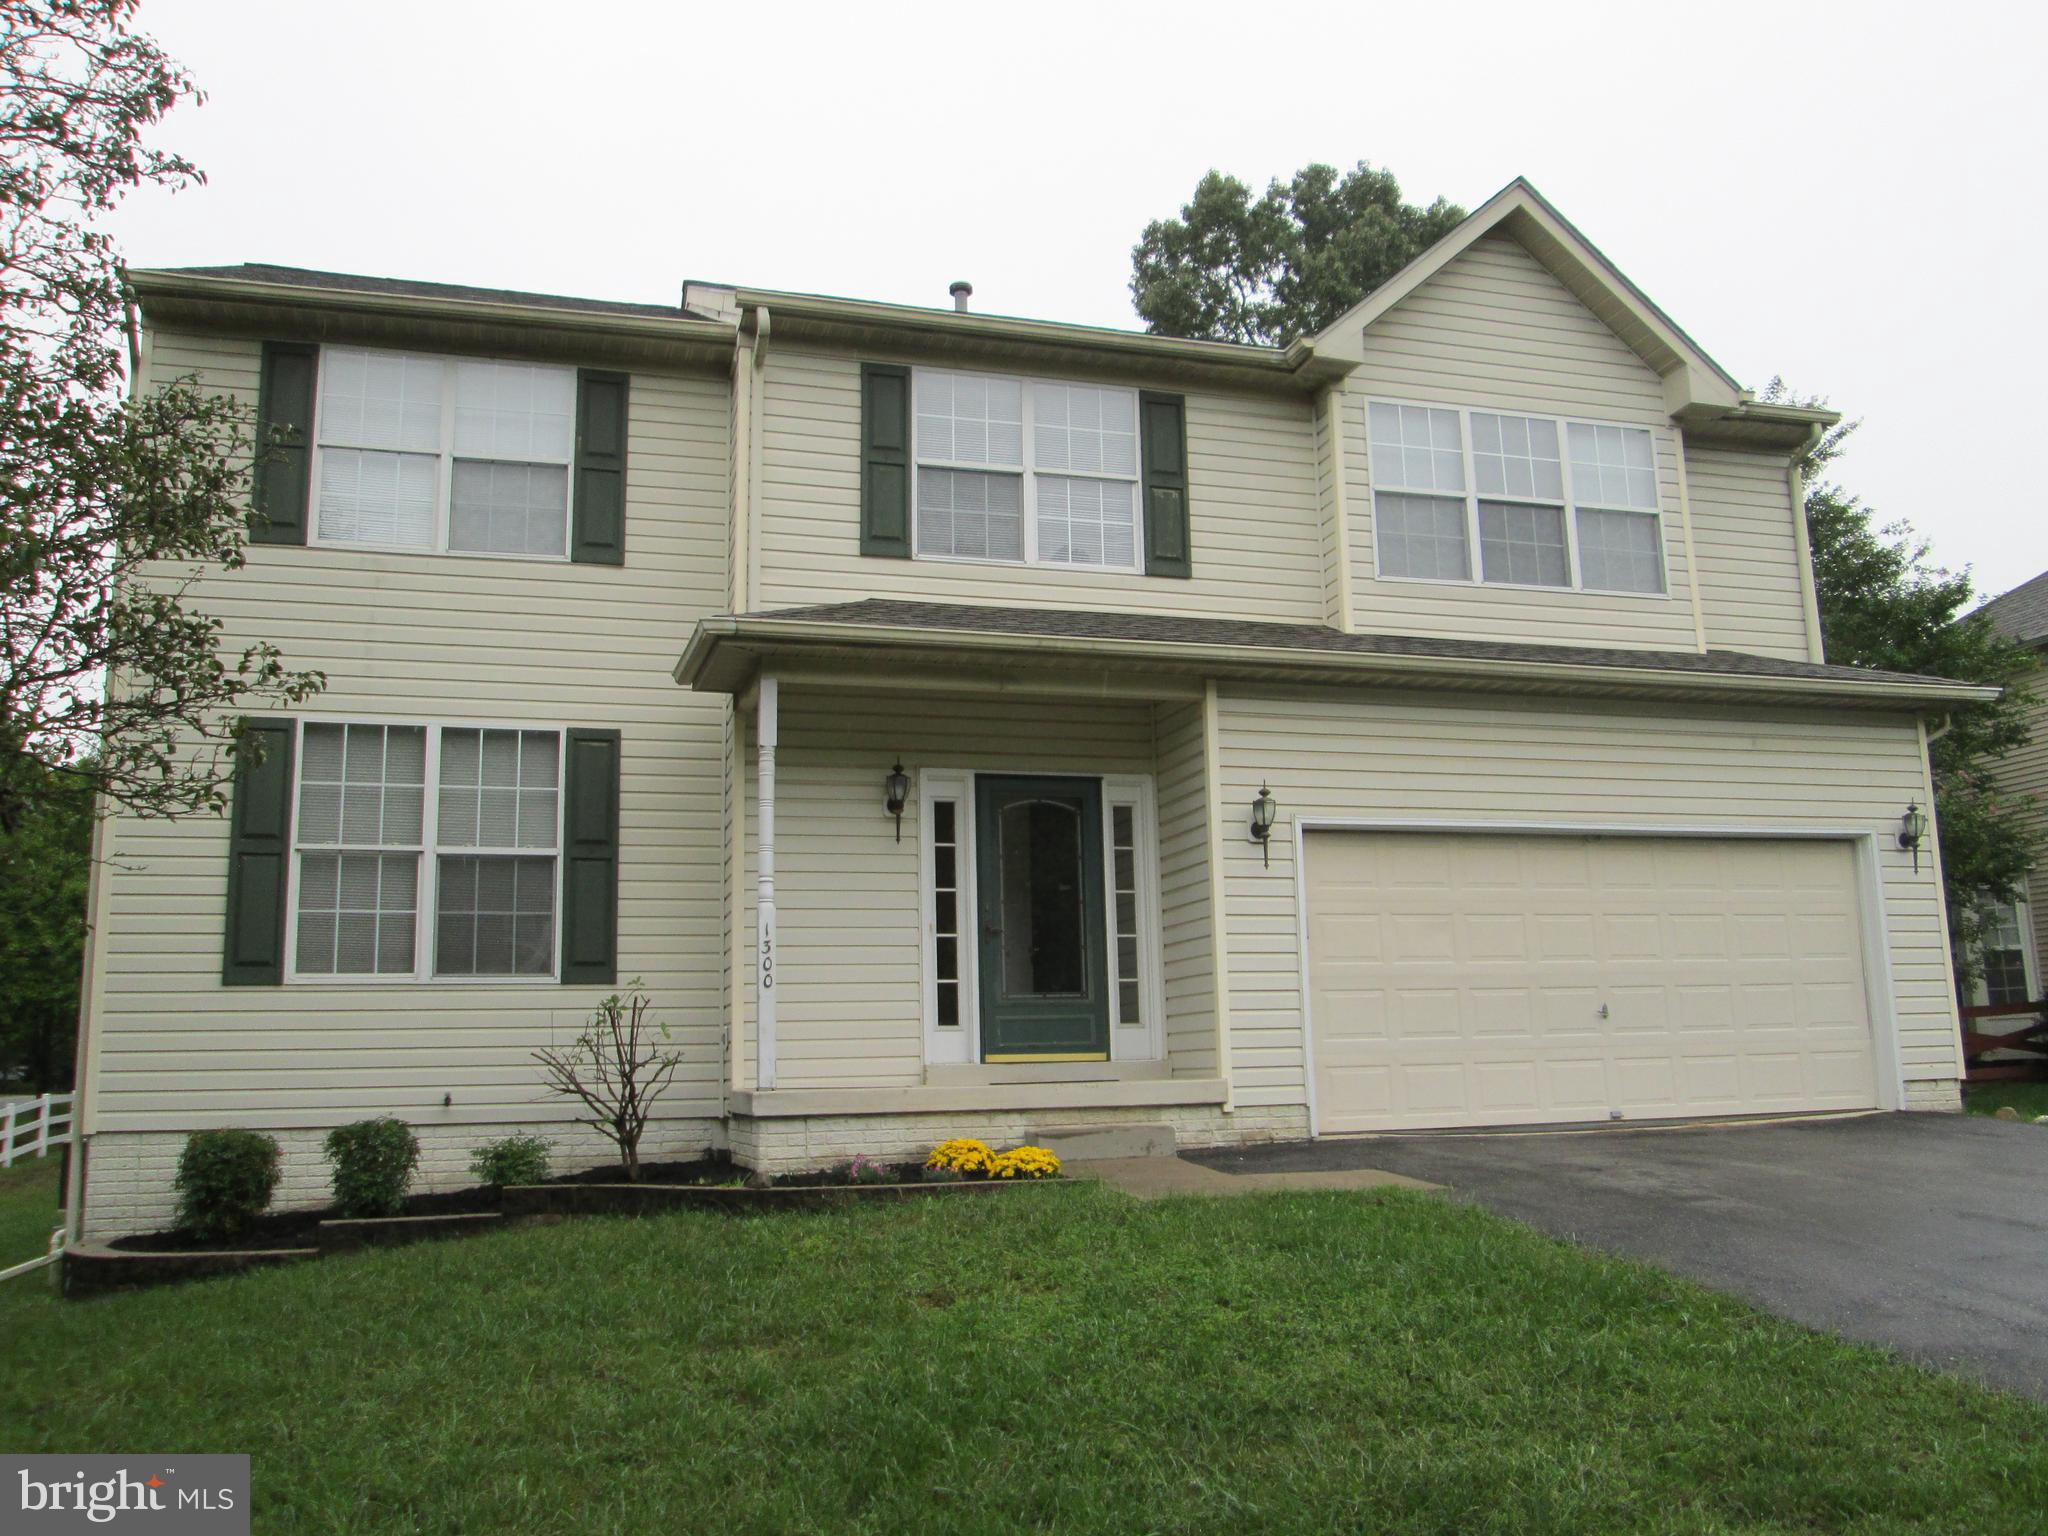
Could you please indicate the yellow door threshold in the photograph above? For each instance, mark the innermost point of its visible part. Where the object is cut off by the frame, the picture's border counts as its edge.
(1030, 1057)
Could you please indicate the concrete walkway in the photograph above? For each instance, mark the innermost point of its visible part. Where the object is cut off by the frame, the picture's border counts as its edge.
(1158, 1178)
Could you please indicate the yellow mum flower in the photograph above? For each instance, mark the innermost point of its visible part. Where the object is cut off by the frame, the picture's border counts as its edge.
(962, 1155)
(1025, 1163)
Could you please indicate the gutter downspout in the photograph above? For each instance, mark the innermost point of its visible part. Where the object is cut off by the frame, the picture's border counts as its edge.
(737, 595)
(757, 393)
(1808, 595)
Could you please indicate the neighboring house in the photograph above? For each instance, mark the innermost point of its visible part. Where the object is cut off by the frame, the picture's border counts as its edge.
(2015, 949)
(1495, 592)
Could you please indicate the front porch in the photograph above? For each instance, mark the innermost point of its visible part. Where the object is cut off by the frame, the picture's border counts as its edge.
(1025, 948)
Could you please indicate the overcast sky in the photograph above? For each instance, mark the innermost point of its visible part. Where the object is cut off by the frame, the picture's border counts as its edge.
(1842, 194)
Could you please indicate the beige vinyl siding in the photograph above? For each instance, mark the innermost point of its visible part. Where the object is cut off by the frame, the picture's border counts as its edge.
(1329, 509)
(2025, 772)
(444, 639)
(1494, 330)
(1184, 920)
(849, 974)
(1254, 519)
(1743, 535)
(1392, 756)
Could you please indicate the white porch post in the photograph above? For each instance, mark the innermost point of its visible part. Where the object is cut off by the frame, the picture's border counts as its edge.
(764, 900)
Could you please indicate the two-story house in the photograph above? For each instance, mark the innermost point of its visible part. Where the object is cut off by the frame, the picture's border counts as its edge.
(969, 725)
(2015, 943)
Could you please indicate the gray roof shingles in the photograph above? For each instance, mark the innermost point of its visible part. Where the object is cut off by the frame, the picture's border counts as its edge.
(398, 287)
(2022, 613)
(1077, 624)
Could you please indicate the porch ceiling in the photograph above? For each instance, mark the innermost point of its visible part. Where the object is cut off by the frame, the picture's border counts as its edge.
(889, 643)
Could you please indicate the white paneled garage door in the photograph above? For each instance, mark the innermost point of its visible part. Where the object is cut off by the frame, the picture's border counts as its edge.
(1481, 979)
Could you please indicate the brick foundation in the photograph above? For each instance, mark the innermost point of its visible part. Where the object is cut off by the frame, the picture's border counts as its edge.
(800, 1144)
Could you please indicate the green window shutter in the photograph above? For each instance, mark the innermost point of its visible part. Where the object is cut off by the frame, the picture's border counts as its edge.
(259, 844)
(599, 536)
(284, 442)
(590, 859)
(885, 460)
(1163, 433)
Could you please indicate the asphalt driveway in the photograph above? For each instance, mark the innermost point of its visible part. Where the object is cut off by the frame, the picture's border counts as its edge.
(1926, 1233)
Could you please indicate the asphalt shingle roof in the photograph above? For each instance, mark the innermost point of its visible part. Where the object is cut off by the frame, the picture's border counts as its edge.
(349, 282)
(2022, 613)
(1078, 624)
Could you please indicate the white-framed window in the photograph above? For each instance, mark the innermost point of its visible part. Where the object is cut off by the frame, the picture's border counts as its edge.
(454, 455)
(949, 895)
(2006, 955)
(1509, 499)
(1024, 472)
(391, 882)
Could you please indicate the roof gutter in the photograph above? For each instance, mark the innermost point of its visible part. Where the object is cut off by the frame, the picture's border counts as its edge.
(156, 285)
(712, 633)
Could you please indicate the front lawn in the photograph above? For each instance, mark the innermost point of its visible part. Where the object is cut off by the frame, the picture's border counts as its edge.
(28, 1209)
(2030, 1099)
(1055, 1358)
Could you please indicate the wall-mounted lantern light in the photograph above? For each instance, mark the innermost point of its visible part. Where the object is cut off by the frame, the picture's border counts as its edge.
(1913, 831)
(895, 795)
(1262, 823)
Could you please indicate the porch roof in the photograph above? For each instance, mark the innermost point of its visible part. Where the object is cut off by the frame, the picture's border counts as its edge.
(726, 653)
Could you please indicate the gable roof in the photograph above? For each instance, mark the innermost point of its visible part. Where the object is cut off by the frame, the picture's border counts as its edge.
(2022, 613)
(1692, 378)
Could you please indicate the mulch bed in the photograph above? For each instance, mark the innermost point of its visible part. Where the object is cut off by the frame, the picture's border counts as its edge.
(301, 1228)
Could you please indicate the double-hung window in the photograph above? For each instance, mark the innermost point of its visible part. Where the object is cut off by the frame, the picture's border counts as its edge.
(1540, 502)
(2002, 951)
(464, 455)
(1025, 471)
(393, 881)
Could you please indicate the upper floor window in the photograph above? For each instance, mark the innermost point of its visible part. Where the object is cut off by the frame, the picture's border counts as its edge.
(1542, 502)
(1025, 471)
(440, 453)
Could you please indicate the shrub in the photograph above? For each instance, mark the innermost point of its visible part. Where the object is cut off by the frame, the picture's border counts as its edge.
(1025, 1163)
(615, 1070)
(225, 1179)
(865, 1170)
(511, 1160)
(962, 1155)
(373, 1162)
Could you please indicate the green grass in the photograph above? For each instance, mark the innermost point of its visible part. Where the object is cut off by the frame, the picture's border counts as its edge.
(1052, 1359)
(2030, 1099)
(28, 1209)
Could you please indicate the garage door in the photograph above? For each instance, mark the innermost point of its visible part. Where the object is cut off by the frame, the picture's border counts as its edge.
(1464, 979)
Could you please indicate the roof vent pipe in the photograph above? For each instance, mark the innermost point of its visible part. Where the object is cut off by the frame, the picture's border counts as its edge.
(962, 291)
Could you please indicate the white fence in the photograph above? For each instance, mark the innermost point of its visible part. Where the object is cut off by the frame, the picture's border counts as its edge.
(30, 1127)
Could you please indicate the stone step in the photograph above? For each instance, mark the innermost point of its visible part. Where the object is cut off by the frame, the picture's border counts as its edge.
(1070, 1143)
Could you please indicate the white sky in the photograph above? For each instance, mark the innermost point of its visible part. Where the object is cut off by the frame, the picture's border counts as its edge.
(1844, 194)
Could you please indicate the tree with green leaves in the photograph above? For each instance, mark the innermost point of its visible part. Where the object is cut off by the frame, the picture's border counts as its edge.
(1885, 605)
(111, 507)
(45, 858)
(1268, 269)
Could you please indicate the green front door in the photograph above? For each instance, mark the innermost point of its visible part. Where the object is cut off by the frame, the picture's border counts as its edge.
(1044, 963)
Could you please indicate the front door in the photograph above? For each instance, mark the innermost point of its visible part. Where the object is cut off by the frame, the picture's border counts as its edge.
(1044, 969)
